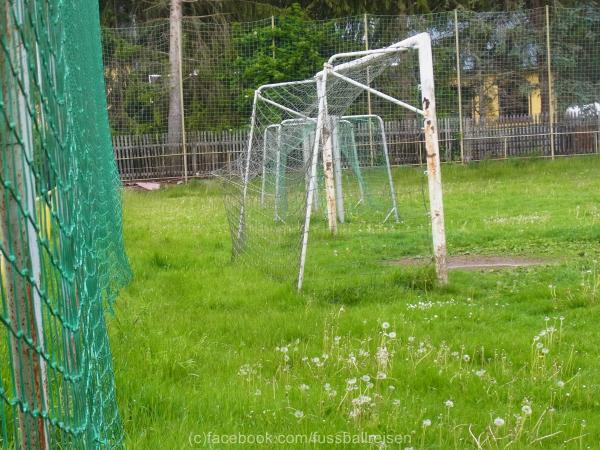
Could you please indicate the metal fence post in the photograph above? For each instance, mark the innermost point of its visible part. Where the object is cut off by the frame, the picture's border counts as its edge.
(369, 106)
(550, 92)
(273, 36)
(458, 84)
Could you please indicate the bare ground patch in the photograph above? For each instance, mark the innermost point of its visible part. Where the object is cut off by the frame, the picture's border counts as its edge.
(476, 262)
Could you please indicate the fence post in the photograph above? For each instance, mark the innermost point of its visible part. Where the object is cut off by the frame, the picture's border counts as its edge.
(369, 107)
(550, 92)
(183, 137)
(273, 36)
(458, 84)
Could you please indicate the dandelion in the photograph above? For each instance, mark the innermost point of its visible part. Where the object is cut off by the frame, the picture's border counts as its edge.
(392, 335)
(383, 356)
(385, 325)
(258, 393)
(366, 378)
(361, 400)
(539, 345)
(381, 376)
(526, 409)
(480, 372)
(426, 423)
(337, 339)
(499, 422)
(396, 402)
(298, 414)
(411, 339)
(449, 404)
(466, 358)
(332, 393)
(303, 387)
(560, 384)
(545, 351)
(327, 387)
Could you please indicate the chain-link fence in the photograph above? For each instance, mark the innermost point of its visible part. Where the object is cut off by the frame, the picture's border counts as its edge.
(509, 84)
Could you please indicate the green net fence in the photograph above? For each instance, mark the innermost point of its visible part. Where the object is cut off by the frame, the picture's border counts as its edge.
(62, 256)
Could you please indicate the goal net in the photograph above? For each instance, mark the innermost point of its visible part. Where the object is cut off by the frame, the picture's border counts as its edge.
(319, 153)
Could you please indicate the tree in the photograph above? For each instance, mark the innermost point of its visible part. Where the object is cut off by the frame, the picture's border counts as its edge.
(175, 121)
(293, 49)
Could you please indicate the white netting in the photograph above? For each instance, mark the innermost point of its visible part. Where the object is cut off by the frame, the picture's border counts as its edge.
(268, 186)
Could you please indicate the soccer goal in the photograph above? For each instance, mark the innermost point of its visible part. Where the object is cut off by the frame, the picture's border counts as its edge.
(279, 141)
(315, 154)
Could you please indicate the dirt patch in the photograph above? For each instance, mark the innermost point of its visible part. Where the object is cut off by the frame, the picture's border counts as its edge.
(476, 262)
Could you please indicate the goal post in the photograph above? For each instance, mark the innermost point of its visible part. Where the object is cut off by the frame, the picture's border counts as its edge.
(305, 137)
(344, 73)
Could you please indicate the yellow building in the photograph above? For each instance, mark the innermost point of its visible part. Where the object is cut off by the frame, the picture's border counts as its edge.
(499, 101)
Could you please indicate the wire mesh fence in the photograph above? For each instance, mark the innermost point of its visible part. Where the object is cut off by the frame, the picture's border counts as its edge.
(508, 84)
(61, 249)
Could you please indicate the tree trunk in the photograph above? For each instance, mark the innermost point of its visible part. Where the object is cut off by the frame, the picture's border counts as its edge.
(174, 135)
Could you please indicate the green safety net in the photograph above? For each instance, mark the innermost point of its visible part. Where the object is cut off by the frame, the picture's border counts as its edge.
(62, 256)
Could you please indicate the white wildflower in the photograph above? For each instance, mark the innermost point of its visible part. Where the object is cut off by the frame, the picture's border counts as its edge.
(499, 422)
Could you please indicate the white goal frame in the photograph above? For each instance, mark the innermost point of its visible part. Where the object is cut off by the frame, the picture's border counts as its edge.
(337, 162)
(420, 43)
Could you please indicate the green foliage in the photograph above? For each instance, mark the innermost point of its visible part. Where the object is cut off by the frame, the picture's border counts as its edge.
(291, 50)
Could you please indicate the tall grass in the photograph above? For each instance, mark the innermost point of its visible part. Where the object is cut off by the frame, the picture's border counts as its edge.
(505, 358)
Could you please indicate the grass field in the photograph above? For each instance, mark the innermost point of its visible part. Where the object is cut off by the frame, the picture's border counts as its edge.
(498, 358)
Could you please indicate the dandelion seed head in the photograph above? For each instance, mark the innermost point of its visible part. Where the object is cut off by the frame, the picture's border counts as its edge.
(426, 423)
(526, 409)
(449, 404)
(499, 422)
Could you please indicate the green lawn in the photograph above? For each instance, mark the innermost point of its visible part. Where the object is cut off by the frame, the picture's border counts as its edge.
(205, 345)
